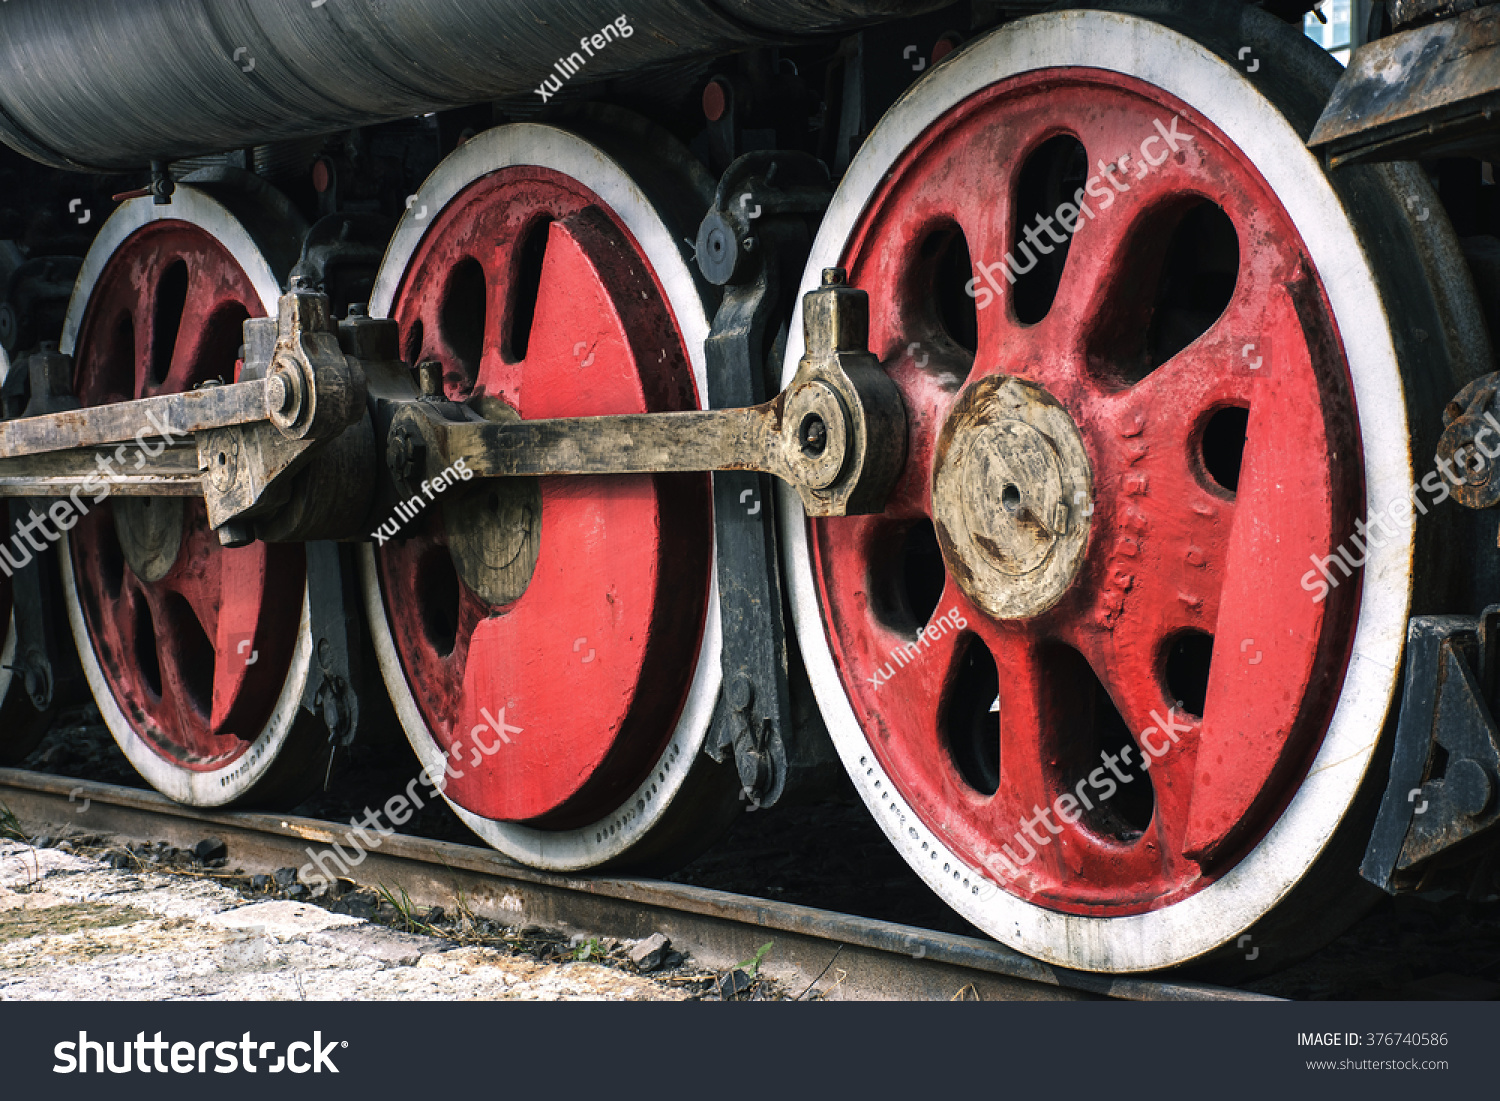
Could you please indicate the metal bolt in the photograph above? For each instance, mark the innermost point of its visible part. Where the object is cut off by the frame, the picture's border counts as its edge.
(813, 435)
(835, 277)
(1477, 467)
(236, 533)
(278, 393)
(405, 454)
(430, 378)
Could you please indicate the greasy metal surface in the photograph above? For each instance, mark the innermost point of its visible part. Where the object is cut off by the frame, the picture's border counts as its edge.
(1404, 13)
(170, 416)
(1433, 91)
(110, 85)
(879, 960)
(647, 443)
(172, 473)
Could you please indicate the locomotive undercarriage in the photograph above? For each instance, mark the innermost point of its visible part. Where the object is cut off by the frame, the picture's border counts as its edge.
(971, 415)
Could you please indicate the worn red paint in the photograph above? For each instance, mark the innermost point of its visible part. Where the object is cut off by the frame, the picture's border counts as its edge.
(1169, 550)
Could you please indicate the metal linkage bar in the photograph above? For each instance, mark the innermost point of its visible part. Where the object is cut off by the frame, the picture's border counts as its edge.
(638, 443)
(837, 434)
(170, 417)
(236, 445)
(171, 473)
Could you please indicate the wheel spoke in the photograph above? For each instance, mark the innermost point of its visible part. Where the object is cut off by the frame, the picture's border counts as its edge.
(1120, 247)
(210, 333)
(587, 342)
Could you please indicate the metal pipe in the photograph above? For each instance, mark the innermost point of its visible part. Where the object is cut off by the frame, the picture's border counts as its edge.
(103, 85)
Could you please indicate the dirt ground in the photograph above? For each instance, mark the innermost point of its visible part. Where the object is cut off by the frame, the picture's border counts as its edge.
(74, 928)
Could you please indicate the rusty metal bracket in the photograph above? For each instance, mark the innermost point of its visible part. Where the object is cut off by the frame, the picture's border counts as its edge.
(1446, 764)
(1428, 92)
(1462, 453)
(753, 242)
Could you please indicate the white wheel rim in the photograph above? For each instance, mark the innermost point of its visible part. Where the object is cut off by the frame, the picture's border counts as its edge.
(214, 787)
(528, 144)
(1217, 914)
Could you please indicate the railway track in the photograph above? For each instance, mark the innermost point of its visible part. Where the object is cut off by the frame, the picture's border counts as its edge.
(871, 959)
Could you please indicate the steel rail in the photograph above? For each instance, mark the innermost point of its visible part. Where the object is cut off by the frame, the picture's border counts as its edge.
(869, 959)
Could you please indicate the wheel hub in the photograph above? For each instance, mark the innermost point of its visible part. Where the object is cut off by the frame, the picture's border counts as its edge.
(495, 529)
(1008, 494)
(150, 534)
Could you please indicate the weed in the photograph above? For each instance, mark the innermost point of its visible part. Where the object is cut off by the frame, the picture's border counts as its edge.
(10, 828)
(751, 966)
(590, 949)
(406, 910)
